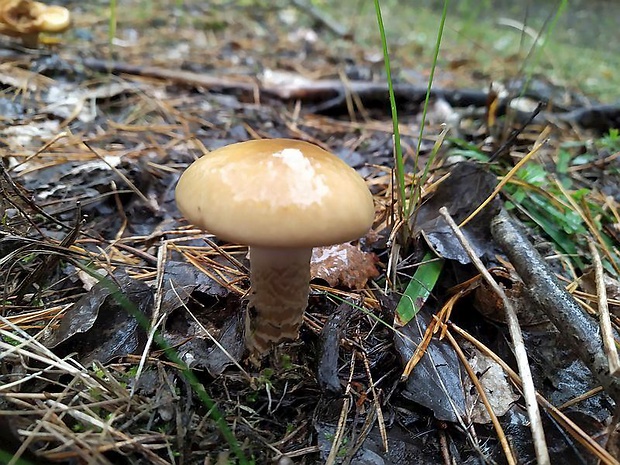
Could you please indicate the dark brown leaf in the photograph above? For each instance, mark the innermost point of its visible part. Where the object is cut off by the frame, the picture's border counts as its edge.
(102, 324)
(467, 187)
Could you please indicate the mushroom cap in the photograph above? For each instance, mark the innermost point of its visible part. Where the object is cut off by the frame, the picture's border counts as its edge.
(54, 19)
(27, 17)
(276, 193)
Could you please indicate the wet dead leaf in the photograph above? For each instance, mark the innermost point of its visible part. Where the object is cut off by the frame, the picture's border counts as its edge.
(230, 349)
(193, 336)
(612, 286)
(435, 382)
(195, 317)
(343, 264)
(467, 187)
(71, 101)
(329, 349)
(403, 446)
(495, 384)
(181, 279)
(489, 304)
(100, 326)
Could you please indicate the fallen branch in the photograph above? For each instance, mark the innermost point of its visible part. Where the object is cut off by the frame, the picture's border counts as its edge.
(603, 310)
(564, 312)
(331, 94)
(323, 18)
(324, 90)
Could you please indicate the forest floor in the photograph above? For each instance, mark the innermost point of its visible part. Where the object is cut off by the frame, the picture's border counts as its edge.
(121, 325)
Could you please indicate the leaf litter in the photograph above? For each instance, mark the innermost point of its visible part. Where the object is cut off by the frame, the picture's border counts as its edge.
(90, 163)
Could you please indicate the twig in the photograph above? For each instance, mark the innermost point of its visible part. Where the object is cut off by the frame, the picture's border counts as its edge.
(516, 133)
(445, 449)
(529, 392)
(358, 440)
(542, 140)
(564, 312)
(580, 398)
(342, 420)
(308, 91)
(319, 15)
(331, 93)
(603, 311)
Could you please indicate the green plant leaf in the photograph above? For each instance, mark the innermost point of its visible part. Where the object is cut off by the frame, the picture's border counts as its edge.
(418, 289)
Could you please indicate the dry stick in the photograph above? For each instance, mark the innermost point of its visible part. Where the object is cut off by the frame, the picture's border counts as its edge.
(603, 310)
(542, 140)
(332, 92)
(342, 420)
(581, 332)
(329, 22)
(529, 392)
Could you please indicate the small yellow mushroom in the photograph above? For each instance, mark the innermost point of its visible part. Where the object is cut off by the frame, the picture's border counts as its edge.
(26, 19)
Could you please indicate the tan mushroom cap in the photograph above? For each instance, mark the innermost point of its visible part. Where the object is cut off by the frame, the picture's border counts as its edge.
(276, 193)
(27, 16)
(54, 19)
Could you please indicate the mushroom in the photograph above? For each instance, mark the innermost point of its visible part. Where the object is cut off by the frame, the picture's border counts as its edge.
(281, 197)
(26, 19)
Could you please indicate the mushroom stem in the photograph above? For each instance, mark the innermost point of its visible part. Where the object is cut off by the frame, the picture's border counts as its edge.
(280, 287)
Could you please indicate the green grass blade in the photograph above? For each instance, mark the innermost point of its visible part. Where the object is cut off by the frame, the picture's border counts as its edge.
(545, 221)
(6, 457)
(417, 187)
(418, 289)
(537, 50)
(398, 151)
(174, 357)
(112, 27)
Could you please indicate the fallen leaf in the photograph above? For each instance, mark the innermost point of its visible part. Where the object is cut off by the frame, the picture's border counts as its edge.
(612, 286)
(435, 382)
(343, 264)
(101, 325)
(494, 383)
(329, 350)
(490, 305)
(188, 334)
(467, 187)
(181, 279)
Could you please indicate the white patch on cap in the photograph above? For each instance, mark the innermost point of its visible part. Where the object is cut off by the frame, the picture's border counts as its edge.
(281, 179)
(307, 187)
(292, 157)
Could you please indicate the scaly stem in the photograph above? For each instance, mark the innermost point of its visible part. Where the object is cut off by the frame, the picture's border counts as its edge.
(280, 287)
